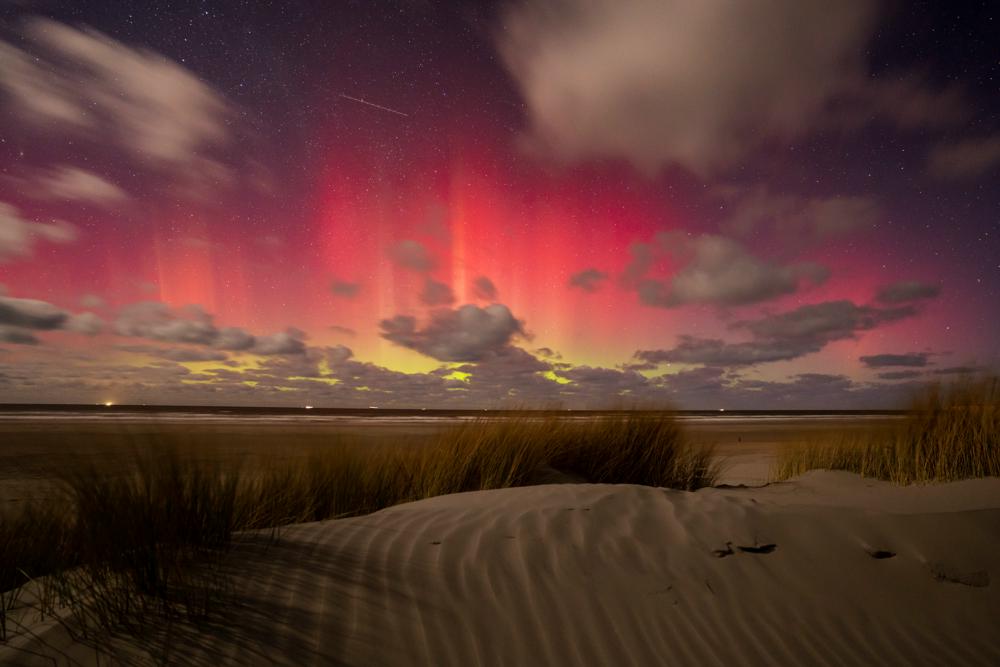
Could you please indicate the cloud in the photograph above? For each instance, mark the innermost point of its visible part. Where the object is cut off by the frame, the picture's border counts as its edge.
(436, 293)
(720, 271)
(18, 235)
(347, 331)
(291, 341)
(18, 317)
(233, 338)
(697, 84)
(716, 352)
(412, 255)
(91, 301)
(345, 289)
(156, 321)
(468, 333)
(484, 289)
(964, 159)
(956, 370)
(780, 337)
(178, 354)
(17, 336)
(900, 375)
(914, 359)
(31, 314)
(87, 83)
(798, 219)
(589, 280)
(78, 185)
(907, 292)
(192, 325)
(86, 323)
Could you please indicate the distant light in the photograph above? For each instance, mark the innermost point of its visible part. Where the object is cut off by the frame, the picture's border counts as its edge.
(108, 404)
(373, 407)
(309, 407)
(722, 409)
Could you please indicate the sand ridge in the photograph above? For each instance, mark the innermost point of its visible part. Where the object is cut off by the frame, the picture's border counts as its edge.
(826, 569)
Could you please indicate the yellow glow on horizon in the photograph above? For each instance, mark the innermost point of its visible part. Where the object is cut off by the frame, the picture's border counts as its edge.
(550, 375)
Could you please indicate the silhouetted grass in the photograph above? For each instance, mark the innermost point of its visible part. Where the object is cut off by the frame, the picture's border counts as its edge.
(147, 539)
(950, 433)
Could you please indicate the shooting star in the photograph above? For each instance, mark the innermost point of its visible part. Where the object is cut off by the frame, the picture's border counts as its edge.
(377, 106)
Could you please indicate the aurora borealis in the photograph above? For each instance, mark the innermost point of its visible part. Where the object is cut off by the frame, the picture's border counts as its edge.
(586, 203)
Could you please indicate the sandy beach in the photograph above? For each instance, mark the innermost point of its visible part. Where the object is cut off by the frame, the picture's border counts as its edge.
(825, 569)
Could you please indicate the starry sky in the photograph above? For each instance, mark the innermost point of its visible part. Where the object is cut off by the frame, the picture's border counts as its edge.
(787, 204)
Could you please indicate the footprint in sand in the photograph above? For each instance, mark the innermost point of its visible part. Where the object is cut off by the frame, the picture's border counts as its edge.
(944, 572)
(755, 549)
(880, 554)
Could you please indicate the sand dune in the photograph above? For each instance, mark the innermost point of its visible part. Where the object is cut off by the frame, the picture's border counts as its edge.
(827, 569)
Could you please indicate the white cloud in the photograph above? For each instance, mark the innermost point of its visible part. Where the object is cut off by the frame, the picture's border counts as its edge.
(18, 235)
(693, 83)
(83, 81)
(75, 184)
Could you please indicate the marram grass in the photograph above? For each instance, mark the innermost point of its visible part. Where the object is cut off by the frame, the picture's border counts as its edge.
(950, 433)
(120, 546)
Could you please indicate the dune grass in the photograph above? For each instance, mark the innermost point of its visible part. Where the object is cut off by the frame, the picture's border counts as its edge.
(117, 547)
(950, 433)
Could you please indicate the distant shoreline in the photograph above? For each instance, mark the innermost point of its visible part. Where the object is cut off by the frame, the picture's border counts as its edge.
(402, 412)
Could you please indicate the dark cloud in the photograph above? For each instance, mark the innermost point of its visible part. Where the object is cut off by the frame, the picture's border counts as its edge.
(291, 341)
(589, 280)
(233, 338)
(435, 293)
(468, 333)
(957, 370)
(716, 352)
(484, 289)
(17, 336)
(31, 314)
(915, 359)
(178, 354)
(780, 337)
(412, 255)
(717, 271)
(192, 325)
(345, 289)
(20, 316)
(900, 375)
(155, 320)
(906, 292)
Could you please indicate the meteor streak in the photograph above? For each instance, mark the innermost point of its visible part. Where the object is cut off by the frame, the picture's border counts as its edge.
(377, 106)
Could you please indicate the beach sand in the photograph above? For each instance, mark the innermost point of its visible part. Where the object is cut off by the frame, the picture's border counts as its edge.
(825, 569)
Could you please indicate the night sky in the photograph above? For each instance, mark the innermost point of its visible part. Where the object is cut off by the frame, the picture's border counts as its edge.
(575, 203)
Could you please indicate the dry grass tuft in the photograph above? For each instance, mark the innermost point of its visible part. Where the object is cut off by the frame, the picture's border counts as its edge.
(950, 433)
(149, 537)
